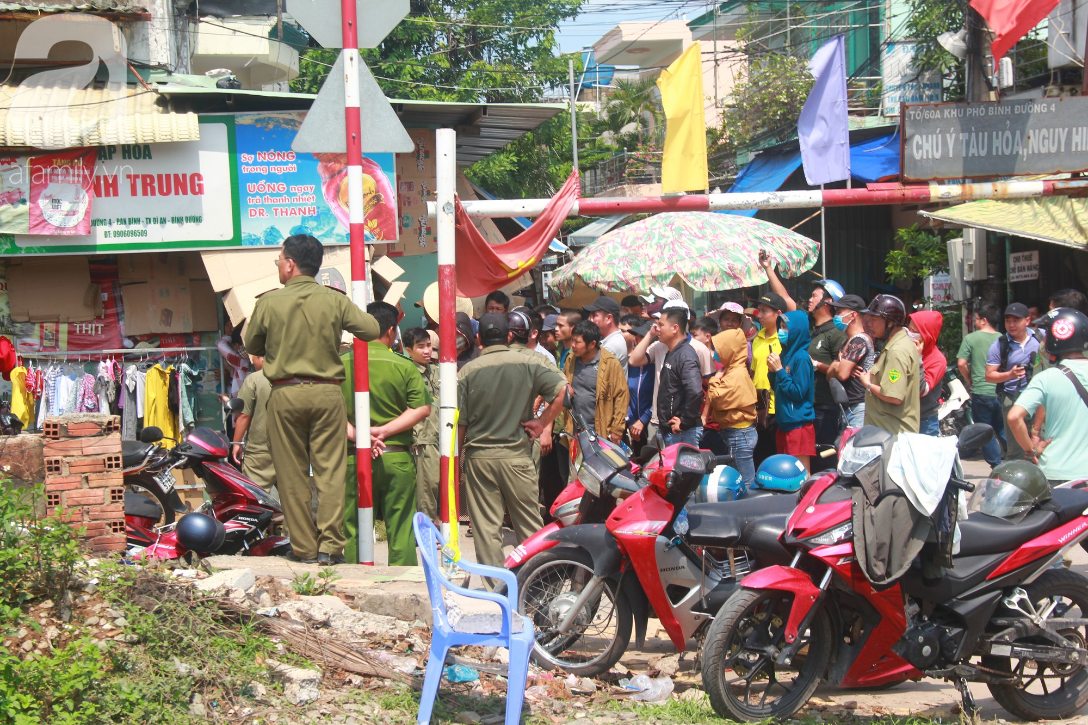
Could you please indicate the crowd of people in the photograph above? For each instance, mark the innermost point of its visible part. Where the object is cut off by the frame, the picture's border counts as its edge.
(751, 381)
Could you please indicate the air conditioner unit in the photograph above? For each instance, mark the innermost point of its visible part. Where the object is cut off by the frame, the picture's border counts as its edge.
(961, 289)
(974, 255)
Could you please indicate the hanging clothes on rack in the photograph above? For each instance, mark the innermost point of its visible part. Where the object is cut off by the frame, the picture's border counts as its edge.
(22, 404)
(157, 404)
(46, 396)
(187, 389)
(87, 401)
(130, 404)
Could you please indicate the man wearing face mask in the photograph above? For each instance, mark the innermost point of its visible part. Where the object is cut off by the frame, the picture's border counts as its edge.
(859, 353)
(893, 386)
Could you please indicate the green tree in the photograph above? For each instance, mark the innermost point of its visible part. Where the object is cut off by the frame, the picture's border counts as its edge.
(767, 102)
(919, 254)
(633, 102)
(463, 50)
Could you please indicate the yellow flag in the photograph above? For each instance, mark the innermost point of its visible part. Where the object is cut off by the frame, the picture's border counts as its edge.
(684, 166)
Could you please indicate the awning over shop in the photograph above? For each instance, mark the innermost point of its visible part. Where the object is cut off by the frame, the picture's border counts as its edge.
(49, 117)
(589, 233)
(871, 160)
(1056, 219)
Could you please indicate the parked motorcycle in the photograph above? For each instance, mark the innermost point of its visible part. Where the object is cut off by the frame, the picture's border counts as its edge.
(247, 513)
(954, 413)
(595, 581)
(1001, 615)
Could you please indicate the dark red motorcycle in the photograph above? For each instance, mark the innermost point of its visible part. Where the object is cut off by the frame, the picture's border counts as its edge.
(1002, 614)
(246, 512)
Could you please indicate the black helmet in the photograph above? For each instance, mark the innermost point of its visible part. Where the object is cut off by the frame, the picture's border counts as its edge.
(889, 307)
(201, 533)
(519, 323)
(1066, 331)
(1012, 490)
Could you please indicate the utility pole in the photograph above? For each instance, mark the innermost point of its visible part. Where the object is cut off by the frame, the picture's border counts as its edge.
(573, 115)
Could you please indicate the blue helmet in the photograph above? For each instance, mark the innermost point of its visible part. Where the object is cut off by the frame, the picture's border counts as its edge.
(722, 484)
(832, 287)
(780, 473)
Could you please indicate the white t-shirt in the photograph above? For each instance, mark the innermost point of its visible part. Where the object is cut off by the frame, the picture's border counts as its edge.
(657, 351)
(617, 345)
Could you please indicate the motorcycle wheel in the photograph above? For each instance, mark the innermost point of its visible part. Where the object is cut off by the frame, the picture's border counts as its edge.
(1048, 691)
(168, 515)
(548, 585)
(739, 673)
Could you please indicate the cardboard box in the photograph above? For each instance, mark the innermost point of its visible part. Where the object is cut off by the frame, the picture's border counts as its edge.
(57, 289)
(234, 268)
(132, 268)
(205, 306)
(161, 267)
(156, 309)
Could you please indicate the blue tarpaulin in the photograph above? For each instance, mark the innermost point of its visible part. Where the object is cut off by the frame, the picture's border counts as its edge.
(594, 75)
(870, 161)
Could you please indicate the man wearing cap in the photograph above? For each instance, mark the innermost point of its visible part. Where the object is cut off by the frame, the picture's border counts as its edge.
(893, 400)
(765, 344)
(496, 425)
(1010, 364)
(605, 314)
(633, 305)
(297, 329)
(731, 316)
(546, 340)
(859, 353)
(399, 400)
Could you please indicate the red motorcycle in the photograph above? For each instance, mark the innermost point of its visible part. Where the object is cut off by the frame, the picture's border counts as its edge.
(246, 513)
(595, 581)
(1001, 615)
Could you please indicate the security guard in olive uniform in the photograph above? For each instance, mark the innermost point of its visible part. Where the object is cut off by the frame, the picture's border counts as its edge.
(298, 329)
(495, 393)
(398, 401)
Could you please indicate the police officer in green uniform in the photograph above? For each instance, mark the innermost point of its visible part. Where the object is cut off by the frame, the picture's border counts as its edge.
(419, 345)
(495, 393)
(252, 427)
(892, 398)
(398, 401)
(297, 329)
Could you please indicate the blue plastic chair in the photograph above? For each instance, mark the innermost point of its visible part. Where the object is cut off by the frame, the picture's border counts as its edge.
(444, 635)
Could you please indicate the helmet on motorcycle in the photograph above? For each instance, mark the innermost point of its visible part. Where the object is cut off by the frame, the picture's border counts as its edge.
(722, 484)
(519, 323)
(1066, 332)
(889, 307)
(1013, 489)
(201, 533)
(780, 473)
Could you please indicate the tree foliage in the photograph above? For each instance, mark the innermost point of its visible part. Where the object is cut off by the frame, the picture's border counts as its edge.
(920, 254)
(463, 50)
(767, 100)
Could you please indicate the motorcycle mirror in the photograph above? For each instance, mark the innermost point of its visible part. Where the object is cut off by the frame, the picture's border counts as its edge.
(974, 437)
(838, 392)
(236, 405)
(568, 399)
(150, 434)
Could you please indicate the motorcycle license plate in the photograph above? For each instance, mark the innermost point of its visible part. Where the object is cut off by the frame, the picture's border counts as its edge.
(166, 481)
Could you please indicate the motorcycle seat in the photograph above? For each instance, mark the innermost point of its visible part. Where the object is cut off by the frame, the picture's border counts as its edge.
(723, 524)
(137, 504)
(133, 453)
(982, 534)
(1067, 503)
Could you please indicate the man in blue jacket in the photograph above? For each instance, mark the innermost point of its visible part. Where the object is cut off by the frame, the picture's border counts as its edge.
(794, 384)
(640, 384)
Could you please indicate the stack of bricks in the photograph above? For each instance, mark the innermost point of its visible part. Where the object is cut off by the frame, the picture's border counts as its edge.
(83, 476)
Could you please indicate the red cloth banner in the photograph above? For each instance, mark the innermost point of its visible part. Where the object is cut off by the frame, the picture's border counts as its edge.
(1011, 20)
(483, 268)
(61, 192)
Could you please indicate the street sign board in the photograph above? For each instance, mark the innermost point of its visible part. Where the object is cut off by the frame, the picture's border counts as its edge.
(321, 19)
(902, 82)
(324, 130)
(1005, 138)
(1023, 266)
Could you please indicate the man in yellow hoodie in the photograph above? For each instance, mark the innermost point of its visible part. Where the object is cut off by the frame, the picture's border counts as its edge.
(732, 397)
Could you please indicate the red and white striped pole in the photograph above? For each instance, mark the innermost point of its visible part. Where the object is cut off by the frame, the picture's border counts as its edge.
(446, 170)
(359, 291)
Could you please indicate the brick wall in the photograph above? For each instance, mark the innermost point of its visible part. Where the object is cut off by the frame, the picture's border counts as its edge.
(83, 476)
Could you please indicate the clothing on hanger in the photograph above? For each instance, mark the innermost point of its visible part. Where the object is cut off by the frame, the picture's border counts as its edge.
(22, 404)
(157, 404)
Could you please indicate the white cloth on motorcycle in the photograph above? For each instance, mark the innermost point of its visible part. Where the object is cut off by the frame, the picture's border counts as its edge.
(922, 466)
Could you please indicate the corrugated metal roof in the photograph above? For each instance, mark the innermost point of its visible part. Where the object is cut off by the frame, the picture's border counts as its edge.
(497, 123)
(51, 117)
(87, 6)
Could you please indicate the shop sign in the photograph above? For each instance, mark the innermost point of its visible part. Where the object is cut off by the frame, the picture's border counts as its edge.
(937, 288)
(154, 197)
(284, 192)
(1023, 266)
(988, 139)
(902, 82)
(47, 194)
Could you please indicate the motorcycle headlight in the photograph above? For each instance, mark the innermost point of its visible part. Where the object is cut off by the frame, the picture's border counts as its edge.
(853, 459)
(263, 497)
(590, 480)
(841, 532)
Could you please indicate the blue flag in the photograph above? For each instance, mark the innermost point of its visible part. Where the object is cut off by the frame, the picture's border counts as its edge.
(824, 127)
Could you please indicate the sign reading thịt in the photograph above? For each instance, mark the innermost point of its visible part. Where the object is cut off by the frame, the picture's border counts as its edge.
(1007, 138)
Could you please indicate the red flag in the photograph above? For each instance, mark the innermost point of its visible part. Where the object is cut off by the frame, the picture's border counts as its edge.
(1011, 20)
